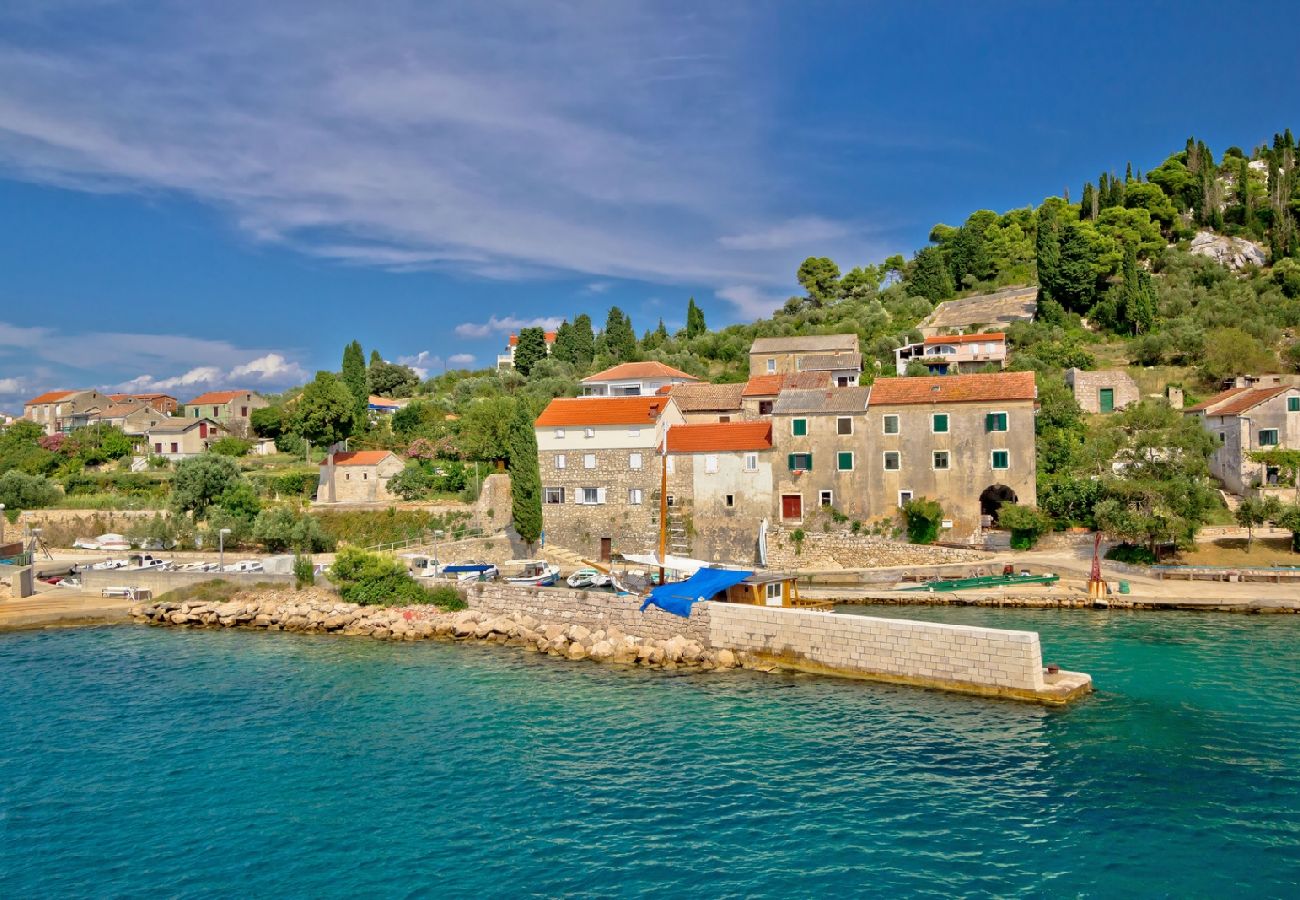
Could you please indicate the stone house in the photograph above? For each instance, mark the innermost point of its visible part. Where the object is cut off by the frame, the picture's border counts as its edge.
(232, 409)
(836, 354)
(57, 411)
(164, 403)
(702, 402)
(360, 476)
(507, 360)
(1104, 391)
(132, 416)
(721, 481)
(964, 440)
(819, 438)
(1248, 419)
(635, 379)
(600, 472)
(176, 438)
(760, 392)
(955, 354)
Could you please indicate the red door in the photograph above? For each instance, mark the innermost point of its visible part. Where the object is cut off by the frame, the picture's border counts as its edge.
(791, 506)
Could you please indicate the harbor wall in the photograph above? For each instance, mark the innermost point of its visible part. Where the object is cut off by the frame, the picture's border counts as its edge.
(983, 660)
(95, 580)
(597, 610)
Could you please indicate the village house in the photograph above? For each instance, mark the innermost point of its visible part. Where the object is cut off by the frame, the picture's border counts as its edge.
(634, 379)
(964, 440)
(164, 403)
(836, 354)
(600, 476)
(820, 441)
(232, 409)
(57, 411)
(954, 354)
(360, 476)
(721, 482)
(703, 402)
(760, 392)
(1248, 419)
(507, 360)
(133, 417)
(176, 438)
(384, 406)
(1104, 391)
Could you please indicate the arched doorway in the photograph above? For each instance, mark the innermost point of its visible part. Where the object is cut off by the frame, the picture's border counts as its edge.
(993, 497)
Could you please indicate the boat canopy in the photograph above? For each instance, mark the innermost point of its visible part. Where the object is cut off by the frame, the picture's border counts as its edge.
(683, 564)
(679, 596)
(469, 567)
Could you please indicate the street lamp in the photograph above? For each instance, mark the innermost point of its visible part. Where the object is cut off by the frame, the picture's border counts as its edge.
(221, 549)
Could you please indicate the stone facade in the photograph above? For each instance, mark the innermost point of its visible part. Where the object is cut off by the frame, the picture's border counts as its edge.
(1090, 389)
(1271, 423)
(842, 549)
(591, 609)
(809, 471)
(360, 477)
(723, 496)
(64, 410)
(786, 356)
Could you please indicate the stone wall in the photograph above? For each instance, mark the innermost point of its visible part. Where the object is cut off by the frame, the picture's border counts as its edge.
(60, 527)
(93, 581)
(630, 527)
(981, 659)
(843, 549)
(596, 610)
(1087, 388)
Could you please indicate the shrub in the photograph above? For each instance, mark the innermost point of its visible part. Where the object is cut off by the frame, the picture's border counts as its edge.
(1132, 554)
(304, 572)
(412, 483)
(231, 446)
(798, 536)
(446, 596)
(924, 518)
(371, 579)
(18, 490)
(283, 528)
(1026, 524)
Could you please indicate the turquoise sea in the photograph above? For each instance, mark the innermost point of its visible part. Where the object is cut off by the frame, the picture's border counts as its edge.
(141, 762)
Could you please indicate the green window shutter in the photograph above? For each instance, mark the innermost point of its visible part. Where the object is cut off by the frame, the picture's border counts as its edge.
(809, 456)
(991, 422)
(800, 427)
(1001, 459)
(845, 460)
(940, 422)
(790, 462)
(1293, 404)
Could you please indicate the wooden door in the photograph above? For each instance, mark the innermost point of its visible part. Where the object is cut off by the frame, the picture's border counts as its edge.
(1107, 400)
(791, 506)
(606, 548)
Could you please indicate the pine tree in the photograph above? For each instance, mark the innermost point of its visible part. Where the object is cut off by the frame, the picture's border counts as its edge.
(620, 339)
(584, 341)
(563, 349)
(354, 377)
(525, 477)
(1047, 249)
(375, 358)
(530, 350)
(694, 320)
(929, 276)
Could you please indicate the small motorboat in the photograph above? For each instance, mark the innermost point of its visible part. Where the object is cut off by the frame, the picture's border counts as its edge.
(85, 544)
(148, 561)
(244, 565)
(110, 564)
(475, 570)
(199, 567)
(421, 566)
(536, 572)
(589, 578)
(112, 542)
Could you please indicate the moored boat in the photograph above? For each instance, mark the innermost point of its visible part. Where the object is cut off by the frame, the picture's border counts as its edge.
(588, 578)
(535, 572)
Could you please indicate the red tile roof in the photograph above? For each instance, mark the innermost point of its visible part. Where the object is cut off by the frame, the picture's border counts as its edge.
(548, 336)
(954, 389)
(50, 397)
(1216, 399)
(1240, 401)
(967, 338)
(118, 398)
(638, 370)
(361, 457)
(216, 397)
(602, 411)
(722, 436)
(771, 385)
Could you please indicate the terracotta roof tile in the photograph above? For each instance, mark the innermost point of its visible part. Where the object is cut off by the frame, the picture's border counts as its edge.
(50, 397)
(771, 385)
(216, 397)
(954, 389)
(693, 397)
(548, 337)
(1216, 399)
(823, 400)
(601, 411)
(638, 370)
(707, 438)
(361, 457)
(812, 343)
(1242, 400)
(118, 398)
(967, 338)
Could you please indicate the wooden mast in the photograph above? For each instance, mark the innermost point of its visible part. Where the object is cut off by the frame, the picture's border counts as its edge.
(663, 506)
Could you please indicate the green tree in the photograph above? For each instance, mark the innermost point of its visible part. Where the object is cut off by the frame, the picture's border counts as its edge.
(483, 431)
(97, 443)
(391, 380)
(1026, 524)
(820, 277)
(923, 518)
(20, 490)
(1138, 295)
(375, 358)
(412, 483)
(564, 349)
(694, 320)
(525, 478)
(620, 339)
(1252, 512)
(282, 528)
(268, 421)
(584, 341)
(1230, 352)
(1286, 461)
(354, 378)
(240, 501)
(1047, 247)
(200, 481)
(326, 411)
(1289, 518)
(929, 276)
(530, 350)
(231, 446)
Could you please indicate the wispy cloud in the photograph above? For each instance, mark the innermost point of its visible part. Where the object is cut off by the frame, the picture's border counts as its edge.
(598, 287)
(750, 301)
(504, 141)
(462, 360)
(505, 325)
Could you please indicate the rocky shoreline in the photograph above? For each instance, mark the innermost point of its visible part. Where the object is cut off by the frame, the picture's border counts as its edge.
(319, 612)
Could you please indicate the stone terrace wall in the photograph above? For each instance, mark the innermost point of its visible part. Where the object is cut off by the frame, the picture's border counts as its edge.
(93, 581)
(985, 659)
(593, 609)
(842, 549)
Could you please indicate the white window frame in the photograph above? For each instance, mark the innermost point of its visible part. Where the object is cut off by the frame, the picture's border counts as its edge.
(751, 462)
(947, 422)
(884, 425)
(904, 496)
(825, 498)
(884, 461)
(635, 461)
(769, 594)
(1001, 412)
(934, 460)
(839, 420)
(559, 434)
(729, 501)
(771, 367)
(853, 460)
(589, 432)
(589, 460)
(582, 496)
(548, 491)
(993, 458)
(560, 461)
(711, 464)
(635, 497)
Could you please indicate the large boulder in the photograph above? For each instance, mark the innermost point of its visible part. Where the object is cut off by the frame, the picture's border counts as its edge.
(602, 651)
(1235, 253)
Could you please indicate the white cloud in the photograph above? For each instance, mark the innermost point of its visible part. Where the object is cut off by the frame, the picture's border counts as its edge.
(598, 287)
(11, 386)
(199, 376)
(507, 325)
(463, 360)
(750, 301)
(810, 232)
(272, 366)
(507, 140)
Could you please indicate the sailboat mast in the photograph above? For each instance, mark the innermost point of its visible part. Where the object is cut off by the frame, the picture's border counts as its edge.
(663, 506)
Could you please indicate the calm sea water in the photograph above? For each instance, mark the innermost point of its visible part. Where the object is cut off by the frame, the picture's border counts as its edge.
(142, 762)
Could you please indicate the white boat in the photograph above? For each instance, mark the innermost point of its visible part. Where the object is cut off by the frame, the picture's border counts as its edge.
(589, 578)
(199, 567)
(110, 564)
(85, 544)
(148, 561)
(474, 570)
(421, 566)
(244, 565)
(112, 542)
(536, 572)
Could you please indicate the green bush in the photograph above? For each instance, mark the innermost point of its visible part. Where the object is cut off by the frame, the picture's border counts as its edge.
(1132, 554)
(282, 528)
(304, 572)
(447, 597)
(372, 579)
(231, 446)
(18, 490)
(924, 518)
(1025, 523)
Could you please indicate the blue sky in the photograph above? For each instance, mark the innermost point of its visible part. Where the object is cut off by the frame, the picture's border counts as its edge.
(192, 201)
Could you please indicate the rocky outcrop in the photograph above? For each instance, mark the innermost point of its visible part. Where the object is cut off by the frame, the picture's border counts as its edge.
(319, 612)
(1235, 253)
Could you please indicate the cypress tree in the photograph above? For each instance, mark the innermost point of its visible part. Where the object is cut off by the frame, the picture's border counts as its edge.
(1139, 306)
(1128, 174)
(584, 341)
(929, 276)
(530, 350)
(354, 377)
(620, 339)
(525, 477)
(375, 358)
(1243, 193)
(1047, 249)
(1088, 205)
(563, 350)
(694, 320)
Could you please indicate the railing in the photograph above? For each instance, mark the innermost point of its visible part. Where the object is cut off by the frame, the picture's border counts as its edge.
(425, 538)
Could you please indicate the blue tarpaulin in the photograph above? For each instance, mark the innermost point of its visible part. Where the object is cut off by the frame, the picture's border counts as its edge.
(677, 597)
